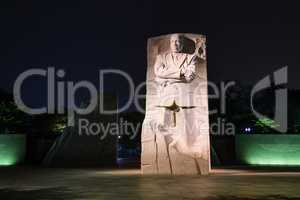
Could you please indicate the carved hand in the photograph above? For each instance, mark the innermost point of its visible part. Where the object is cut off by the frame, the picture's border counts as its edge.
(189, 75)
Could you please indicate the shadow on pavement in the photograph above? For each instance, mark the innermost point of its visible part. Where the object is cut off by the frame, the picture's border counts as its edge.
(271, 197)
(34, 194)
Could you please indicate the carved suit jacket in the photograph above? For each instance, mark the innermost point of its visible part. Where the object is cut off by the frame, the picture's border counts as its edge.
(173, 87)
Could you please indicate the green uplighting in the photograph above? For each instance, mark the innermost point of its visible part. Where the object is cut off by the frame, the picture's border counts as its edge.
(281, 150)
(12, 149)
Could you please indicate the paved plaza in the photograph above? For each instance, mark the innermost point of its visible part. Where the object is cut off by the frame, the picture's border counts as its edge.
(97, 184)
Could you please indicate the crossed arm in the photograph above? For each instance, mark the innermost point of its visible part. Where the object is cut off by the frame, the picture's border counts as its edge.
(165, 72)
(187, 72)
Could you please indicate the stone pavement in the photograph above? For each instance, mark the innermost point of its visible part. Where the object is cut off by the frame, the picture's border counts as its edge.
(97, 184)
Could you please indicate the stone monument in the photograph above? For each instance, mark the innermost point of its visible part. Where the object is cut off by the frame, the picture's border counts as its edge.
(175, 133)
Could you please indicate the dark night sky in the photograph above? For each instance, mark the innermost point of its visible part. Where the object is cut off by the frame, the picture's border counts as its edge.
(246, 41)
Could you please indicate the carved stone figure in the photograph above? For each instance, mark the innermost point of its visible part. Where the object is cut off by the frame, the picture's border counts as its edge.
(175, 135)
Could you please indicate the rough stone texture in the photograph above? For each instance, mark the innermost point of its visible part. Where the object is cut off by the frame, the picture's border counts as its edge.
(175, 134)
(75, 148)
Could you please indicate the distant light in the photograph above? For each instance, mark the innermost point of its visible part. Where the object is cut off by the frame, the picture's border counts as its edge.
(12, 149)
(247, 129)
(119, 137)
(270, 149)
(7, 162)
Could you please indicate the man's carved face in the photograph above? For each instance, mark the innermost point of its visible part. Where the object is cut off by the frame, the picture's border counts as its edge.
(176, 43)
